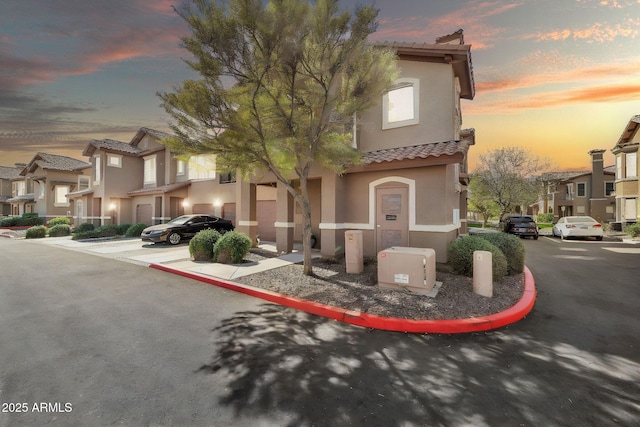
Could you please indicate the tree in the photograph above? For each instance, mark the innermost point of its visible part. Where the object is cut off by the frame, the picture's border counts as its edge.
(506, 177)
(481, 202)
(280, 87)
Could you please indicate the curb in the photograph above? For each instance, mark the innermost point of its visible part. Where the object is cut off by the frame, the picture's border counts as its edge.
(357, 318)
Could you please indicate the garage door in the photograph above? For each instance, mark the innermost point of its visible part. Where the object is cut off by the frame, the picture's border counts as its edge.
(143, 214)
(266, 217)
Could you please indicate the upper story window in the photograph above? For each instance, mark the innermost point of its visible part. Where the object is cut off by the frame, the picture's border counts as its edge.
(41, 188)
(83, 182)
(619, 166)
(570, 191)
(401, 105)
(181, 167)
(114, 160)
(227, 178)
(150, 170)
(609, 188)
(19, 188)
(202, 167)
(60, 194)
(632, 165)
(582, 189)
(97, 168)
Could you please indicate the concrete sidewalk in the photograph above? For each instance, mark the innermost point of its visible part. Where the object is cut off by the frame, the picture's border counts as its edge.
(177, 257)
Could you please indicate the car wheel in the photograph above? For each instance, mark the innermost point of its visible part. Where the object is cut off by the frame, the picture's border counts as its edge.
(174, 238)
(535, 237)
(598, 238)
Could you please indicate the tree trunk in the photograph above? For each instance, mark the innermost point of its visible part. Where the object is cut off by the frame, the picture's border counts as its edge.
(306, 227)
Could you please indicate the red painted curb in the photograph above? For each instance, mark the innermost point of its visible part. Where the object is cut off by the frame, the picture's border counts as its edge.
(454, 326)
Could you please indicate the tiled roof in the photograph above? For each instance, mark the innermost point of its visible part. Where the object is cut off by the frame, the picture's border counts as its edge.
(28, 198)
(159, 190)
(113, 145)
(9, 172)
(422, 151)
(80, 193)
(156, 133)
(56, 162)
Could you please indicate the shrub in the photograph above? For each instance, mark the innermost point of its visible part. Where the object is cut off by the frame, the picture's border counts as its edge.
(30, 215)
(460, 254)
(201, 245)
(59, 230)
(59, 220)
(84, 227)
(633, 230)
(36, 232)
(544, 217)
(512, 248)
(109, 230)
(135, 230)
(122, 229)
(231, 247)
(9, 222)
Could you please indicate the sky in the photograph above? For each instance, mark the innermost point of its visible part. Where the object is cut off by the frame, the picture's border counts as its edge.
(557, 77)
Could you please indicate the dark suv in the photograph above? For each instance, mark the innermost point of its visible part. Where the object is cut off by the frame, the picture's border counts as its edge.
(520, 225)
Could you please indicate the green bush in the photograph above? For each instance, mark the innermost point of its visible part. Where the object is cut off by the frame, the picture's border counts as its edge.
(36, 232)
(59, 230)
(633, 230)
(231, 248)
(30, 220)
(9, 222)
(544, 217)
(122, 229)
(108, 230)
(512, 248)
(460, 254)
(30, 215)
(202, 244)
(59, 220)
(135, 230)
(84, 227)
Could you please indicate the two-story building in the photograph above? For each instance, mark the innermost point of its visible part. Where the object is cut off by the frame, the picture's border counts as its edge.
(53, 177)
(410, 189)
(9, 176)
(627, 186)
(589, 193)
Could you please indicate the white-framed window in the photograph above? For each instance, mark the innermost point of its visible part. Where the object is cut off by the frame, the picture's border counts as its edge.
(609, 188)
(83, 182)
(580, 210)
(19, 188)
(632, 165)
(97, 169)
(619, 166)
(202, 167)
(630, 209)
(114, 160)
(582, 189)
(401, 105)
(570, 191)
(150, 170)
(60, 194)
(181, 167)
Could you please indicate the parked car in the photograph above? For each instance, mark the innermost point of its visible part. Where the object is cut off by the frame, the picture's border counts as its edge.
(521, 225)
(185, 227)
(578, 226)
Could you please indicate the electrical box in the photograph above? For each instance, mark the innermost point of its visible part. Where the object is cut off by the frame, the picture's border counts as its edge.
(353, 251)
(412, 269)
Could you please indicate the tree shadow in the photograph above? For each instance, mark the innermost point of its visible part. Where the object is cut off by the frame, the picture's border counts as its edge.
(312, 371)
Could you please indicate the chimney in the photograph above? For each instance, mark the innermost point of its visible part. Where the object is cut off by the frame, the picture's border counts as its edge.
(597, 174)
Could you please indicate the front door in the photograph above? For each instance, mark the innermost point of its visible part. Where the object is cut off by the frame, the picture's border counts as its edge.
(392, 217)
(79, 211)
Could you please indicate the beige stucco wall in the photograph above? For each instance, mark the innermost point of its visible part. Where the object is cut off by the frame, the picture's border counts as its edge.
(438, 104)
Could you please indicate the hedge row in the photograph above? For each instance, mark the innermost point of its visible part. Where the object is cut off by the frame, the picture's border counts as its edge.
(26, 220)
(88, 231)
(228, 248)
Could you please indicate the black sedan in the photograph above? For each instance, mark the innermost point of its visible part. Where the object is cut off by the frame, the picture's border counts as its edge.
(184, 227)
(521, 225)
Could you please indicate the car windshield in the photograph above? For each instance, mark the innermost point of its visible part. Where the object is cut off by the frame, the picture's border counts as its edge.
(577, 219)
(180, 220)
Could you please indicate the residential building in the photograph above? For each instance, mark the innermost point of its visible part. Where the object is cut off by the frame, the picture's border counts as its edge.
(51, 178)
(627, 186)
(410, 189)
(589, 193)
(8, 176)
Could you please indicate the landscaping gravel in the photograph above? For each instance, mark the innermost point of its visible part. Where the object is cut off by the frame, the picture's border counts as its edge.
(331, 285)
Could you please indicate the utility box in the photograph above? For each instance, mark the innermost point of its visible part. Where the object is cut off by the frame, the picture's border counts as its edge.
(412, 269)
(483, 273)
(353, 251)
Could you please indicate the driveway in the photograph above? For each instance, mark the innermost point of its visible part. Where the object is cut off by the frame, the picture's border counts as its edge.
(124, 344)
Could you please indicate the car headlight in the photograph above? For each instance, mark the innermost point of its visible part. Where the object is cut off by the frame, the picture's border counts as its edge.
(155, 232)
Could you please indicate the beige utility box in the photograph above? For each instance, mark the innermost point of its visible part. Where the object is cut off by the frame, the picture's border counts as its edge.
(413, 269)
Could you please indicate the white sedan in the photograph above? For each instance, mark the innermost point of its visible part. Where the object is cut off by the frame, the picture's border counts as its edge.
(578, 226)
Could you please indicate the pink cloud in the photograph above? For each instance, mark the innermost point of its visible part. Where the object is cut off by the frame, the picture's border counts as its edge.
(598, 32)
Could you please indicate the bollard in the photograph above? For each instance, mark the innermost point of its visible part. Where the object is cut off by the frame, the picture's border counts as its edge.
(483, 273)
(353, 251)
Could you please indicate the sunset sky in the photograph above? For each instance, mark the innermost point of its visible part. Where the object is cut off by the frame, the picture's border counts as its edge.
(559, 77)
